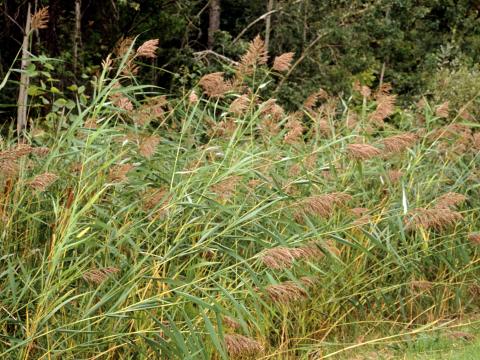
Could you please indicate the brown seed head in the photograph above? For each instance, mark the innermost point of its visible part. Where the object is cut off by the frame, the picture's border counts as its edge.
(385, 108)
(40, 19)
(422, 285)
(322, 205)
(239, 346)
(283, 62)
(231, 323)
(148, 145)
(42, 181)
(226, 189)
(286, 292)
(362, 151)
(118, 173)
(98, 276)
(398, 143)
(295, 133)
(256, 54)
(214, 85)
(394, 175)
(474, 238)
(442, 110)
(436, 219)
(239, 105)
(148, 49)
(450, 200)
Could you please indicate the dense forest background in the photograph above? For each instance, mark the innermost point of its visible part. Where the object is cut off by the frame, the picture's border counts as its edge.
(417, 46)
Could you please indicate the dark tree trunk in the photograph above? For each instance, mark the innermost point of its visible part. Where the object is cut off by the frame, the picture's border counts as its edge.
(213, 22)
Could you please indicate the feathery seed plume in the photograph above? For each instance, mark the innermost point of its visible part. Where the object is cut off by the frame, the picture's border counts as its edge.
(42, 181)
(256, 54)
(436, 219)
(450, 200)
(474, 238)
(148, 49)
(442, 110)
(214, 85)
(118, 173)
(148, 145)
(40, 19)
(362, 151)
(98, 276)
(239, 346)
(239, 105)
(283, 62)
(398, 143)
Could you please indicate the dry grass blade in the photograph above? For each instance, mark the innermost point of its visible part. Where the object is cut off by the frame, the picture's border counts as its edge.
(239, 346)
(283, 62)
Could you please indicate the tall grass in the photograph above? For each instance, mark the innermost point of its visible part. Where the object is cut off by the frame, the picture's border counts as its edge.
(155, 240)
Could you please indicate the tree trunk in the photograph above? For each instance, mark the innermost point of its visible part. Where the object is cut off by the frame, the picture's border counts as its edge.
(213, 21)
(24, 79)
(77, 40)
(268, 23)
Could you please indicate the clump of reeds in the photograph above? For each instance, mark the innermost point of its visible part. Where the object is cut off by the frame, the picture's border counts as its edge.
(362, 151)
(242, 346)
(97, 276)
